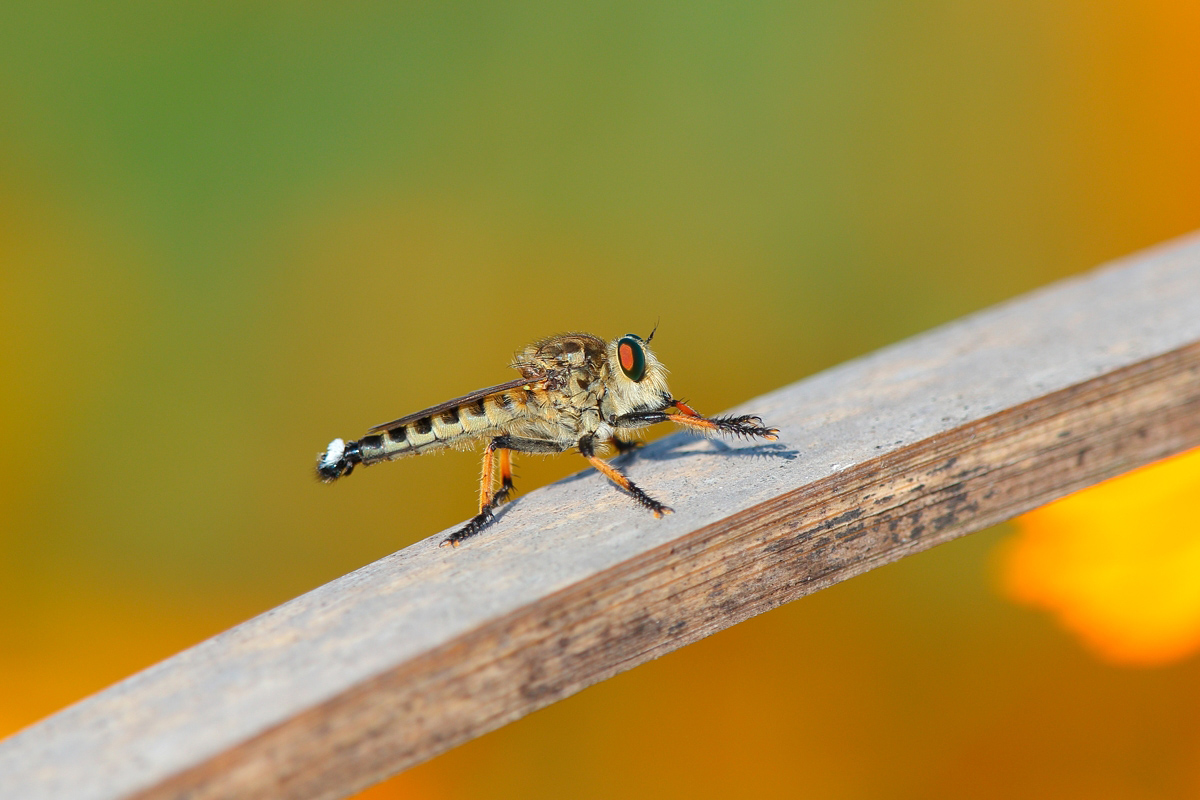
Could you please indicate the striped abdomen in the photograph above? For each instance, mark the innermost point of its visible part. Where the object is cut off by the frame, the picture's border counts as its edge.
(452, 426)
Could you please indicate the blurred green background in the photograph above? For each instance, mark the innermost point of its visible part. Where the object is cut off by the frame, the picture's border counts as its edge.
(231, 231)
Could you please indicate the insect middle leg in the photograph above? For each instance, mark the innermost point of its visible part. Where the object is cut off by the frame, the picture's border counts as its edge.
(489, 501)
(587, 448)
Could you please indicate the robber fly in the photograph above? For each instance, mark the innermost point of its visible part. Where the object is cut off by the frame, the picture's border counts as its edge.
(575, 391)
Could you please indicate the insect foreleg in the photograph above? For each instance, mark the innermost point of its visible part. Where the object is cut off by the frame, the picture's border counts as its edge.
(746, 425)
(637, 419)
(587, 448)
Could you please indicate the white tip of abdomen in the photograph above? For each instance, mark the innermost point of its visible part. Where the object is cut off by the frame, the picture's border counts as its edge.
(334, 453)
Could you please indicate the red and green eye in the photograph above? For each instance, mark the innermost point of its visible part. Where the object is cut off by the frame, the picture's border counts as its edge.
(632, 357)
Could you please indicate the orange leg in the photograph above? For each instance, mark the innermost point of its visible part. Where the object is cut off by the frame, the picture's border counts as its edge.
(697, 422)
(489, 499)
(620, 479)
(485, 480)
(747, 426)
(506, 477)
(739, 426)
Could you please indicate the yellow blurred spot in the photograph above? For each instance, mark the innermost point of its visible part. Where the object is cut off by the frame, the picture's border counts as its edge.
(1119, 563)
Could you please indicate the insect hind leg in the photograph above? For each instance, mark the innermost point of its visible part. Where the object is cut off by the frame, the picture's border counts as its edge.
(488, 498)
(489, 501)
(506, 476)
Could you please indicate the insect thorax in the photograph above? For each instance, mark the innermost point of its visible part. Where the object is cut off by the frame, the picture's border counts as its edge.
(571, 371)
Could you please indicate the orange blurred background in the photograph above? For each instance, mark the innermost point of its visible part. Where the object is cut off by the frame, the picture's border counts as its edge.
(232, 231)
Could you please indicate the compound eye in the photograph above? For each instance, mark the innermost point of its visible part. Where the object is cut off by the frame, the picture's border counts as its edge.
(632, 357)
